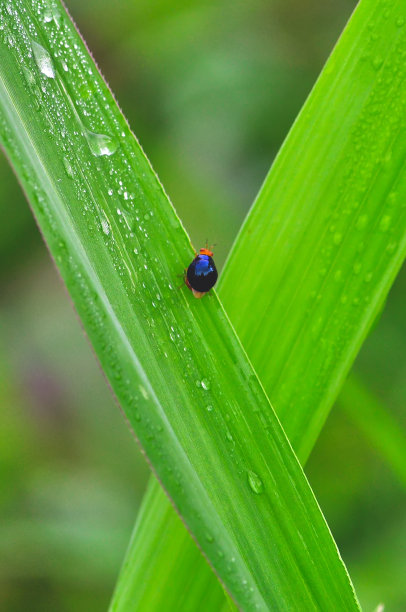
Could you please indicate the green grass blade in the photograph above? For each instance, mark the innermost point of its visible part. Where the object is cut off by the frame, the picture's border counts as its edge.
(376, 423)
(206, 425)
(326, 237)
(137, 587)
(334, 201)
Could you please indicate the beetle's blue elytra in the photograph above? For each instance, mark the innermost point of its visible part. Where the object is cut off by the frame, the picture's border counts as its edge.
(202, 274)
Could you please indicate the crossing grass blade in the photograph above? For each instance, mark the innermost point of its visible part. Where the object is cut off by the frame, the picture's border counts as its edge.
(205, 425)
(314, 261)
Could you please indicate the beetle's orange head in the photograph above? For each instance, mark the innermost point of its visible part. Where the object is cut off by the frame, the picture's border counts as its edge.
(206, 251)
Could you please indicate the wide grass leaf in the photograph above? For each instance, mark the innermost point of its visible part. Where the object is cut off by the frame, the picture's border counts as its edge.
(316, 257)
(206, 425)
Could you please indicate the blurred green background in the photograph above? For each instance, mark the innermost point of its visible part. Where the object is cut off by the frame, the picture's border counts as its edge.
(210, 89)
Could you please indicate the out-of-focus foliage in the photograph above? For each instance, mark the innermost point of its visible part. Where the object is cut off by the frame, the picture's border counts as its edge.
(198, 83)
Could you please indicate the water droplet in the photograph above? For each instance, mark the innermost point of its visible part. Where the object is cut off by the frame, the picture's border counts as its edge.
(209, 537)
(101, 144)
(400, 22)
(43, 60)
(255, 483)
(52, 12)
(337, 238)
(338, 275)
(144, 392)
(209, 408)
(229, 437)
(68, 167)
(368, 277)
(105, 226)
(205, 384)
(385, 223)
(48, 15)
(29, 77)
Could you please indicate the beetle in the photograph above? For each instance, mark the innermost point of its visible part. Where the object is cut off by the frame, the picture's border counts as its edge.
(202, 274)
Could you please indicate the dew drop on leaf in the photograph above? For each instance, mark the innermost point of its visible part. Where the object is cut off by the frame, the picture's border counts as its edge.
(101, 144)
(48, 15)
(229, 437)
(52, 13)
(205, 384)
(68, 167)
(105, 226)
(43, 60)
(255, 483)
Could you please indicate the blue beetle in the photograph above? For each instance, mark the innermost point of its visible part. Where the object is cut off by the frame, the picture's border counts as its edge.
(202, 274)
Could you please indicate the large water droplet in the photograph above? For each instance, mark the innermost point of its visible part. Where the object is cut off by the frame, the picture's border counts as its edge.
(255, 483)
(29, 77)
(48, 15)
(68, 167)
(105, 226)
(43, 60)
(144, 392)
(205, 384)
(101, 144)
(52, 13)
